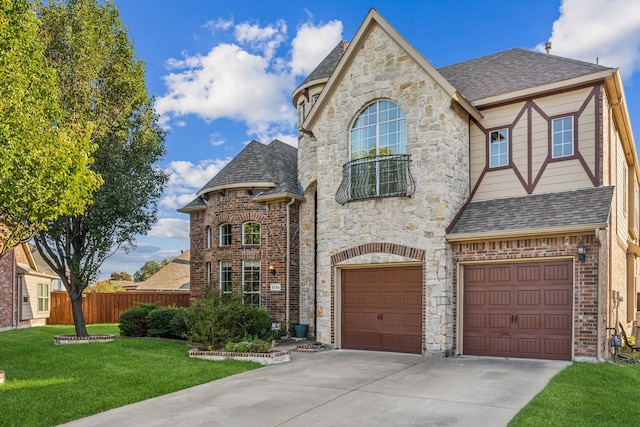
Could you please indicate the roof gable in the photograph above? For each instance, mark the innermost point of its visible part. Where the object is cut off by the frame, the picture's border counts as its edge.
(373, 19)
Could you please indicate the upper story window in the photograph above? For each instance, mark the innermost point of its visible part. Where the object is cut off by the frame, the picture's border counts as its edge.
(314, 99)
(225, 235)
(207, 233)
(562, 137)
(251, 233)
(379, 165)
(301, 112)
(499, 148)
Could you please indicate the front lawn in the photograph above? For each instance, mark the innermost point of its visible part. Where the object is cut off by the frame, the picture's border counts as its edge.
(47, 385)
(586, 394)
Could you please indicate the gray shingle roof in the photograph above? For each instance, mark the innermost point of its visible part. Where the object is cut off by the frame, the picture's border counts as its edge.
(512, 70)
(328, 64)
(537, 211)
(276, 163)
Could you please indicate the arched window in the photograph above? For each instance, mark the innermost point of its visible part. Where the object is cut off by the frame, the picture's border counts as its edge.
(379, 130)
(379, 165)
(207, 233)
(225, 235)
(251, 233)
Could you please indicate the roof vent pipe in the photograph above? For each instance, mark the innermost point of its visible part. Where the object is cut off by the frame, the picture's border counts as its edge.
(547, 47)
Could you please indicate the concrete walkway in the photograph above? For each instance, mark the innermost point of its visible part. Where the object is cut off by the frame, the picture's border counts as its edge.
(350, 388)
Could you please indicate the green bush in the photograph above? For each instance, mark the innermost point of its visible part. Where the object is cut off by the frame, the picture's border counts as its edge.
(167, 322)
(216, 320)
(133, 322)
(256, 346)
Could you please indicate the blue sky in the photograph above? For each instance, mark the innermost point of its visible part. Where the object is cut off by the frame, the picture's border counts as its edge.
(222, 72)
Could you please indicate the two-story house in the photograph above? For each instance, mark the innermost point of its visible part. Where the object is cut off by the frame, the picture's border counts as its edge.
(484, 208)
(244, 230)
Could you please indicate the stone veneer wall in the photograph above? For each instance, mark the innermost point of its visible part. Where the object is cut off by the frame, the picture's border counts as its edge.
(236, 207)
(437, 140)
(585, 289)
(8, 298)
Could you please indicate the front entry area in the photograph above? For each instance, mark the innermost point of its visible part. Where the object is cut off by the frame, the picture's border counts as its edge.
(518, 310)
(382, 309)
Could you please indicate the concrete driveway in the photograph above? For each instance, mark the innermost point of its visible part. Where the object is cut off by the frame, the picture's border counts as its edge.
(350, 388)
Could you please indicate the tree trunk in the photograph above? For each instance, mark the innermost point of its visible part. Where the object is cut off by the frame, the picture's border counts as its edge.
(78, 314)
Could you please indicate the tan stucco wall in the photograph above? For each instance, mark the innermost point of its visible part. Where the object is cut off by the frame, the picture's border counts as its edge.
(437, 142)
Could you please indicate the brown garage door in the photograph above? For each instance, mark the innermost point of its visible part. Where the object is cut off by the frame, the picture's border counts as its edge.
(382, 309)
(518, 310)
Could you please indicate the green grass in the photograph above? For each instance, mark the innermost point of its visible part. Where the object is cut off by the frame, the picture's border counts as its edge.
(586, 394)
(47, 384)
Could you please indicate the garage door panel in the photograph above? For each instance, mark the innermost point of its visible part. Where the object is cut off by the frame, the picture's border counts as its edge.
(530, 315)
(389, 308)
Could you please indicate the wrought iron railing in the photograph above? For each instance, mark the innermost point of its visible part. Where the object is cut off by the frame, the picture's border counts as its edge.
(373, 177)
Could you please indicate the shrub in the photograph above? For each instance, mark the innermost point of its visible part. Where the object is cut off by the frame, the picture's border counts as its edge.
(167, 322)
(133, 322)
(216, 320)
(256, 346)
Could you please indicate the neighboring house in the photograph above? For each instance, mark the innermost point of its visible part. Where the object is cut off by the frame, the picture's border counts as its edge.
(485, 208)
(173, 276)
(25, 290)
(244, 230)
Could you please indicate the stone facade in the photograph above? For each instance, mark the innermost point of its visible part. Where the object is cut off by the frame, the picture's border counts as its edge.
(236, 207)
(437, 140)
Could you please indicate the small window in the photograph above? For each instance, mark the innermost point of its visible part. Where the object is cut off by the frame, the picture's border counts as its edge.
(562, 136)
(43, 297)
(207, 273)
(301, 113)
(314, 99)
(499, 148)
(207, 232)
(225, 277)
(251, 282)
(250, 233)
(225, 235)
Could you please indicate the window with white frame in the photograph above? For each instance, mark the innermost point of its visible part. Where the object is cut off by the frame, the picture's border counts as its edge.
(251, 282)
(378, 166)
(225, 235)
(207, 233)
(562, 137)
(207, 273)
(251, 233)
(225, 277)
(498, 148)
(43, 297)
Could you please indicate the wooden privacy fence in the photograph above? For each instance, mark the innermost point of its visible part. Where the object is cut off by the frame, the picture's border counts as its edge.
(106, 307)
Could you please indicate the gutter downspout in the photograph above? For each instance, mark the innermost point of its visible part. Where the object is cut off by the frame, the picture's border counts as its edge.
(288, 279)
(315, 263)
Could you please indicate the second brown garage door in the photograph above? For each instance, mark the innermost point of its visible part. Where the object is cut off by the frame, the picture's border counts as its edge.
(382, 309)
(518, 310)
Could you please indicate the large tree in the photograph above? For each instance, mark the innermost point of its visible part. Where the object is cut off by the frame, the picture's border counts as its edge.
(102, 81)
(149, 269)
(43, 163)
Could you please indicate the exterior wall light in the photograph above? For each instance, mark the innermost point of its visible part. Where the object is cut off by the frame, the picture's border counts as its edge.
(582, 253)
(272, 268)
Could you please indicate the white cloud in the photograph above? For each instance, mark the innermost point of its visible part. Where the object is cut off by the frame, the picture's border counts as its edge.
(171, 228)
(608, 30)
(312, 44)
(249, 82)
(186, 178)
(266, 39)
(215, 139)
(218, 24)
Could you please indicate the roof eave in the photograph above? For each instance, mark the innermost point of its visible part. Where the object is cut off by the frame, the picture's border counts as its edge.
(256, 184)
(278, 196)
(306, 85)
(192, 209)
(524, 233)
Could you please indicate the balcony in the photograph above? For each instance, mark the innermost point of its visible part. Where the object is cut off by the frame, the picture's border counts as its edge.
(376, 177)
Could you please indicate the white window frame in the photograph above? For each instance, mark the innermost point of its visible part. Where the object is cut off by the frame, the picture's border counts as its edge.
(224, 234)
(251, 276)
(376, 122)
(208, 238)
(558, 137)
(499, 141)
(246, 235)
(226, 277)
(43, 297)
